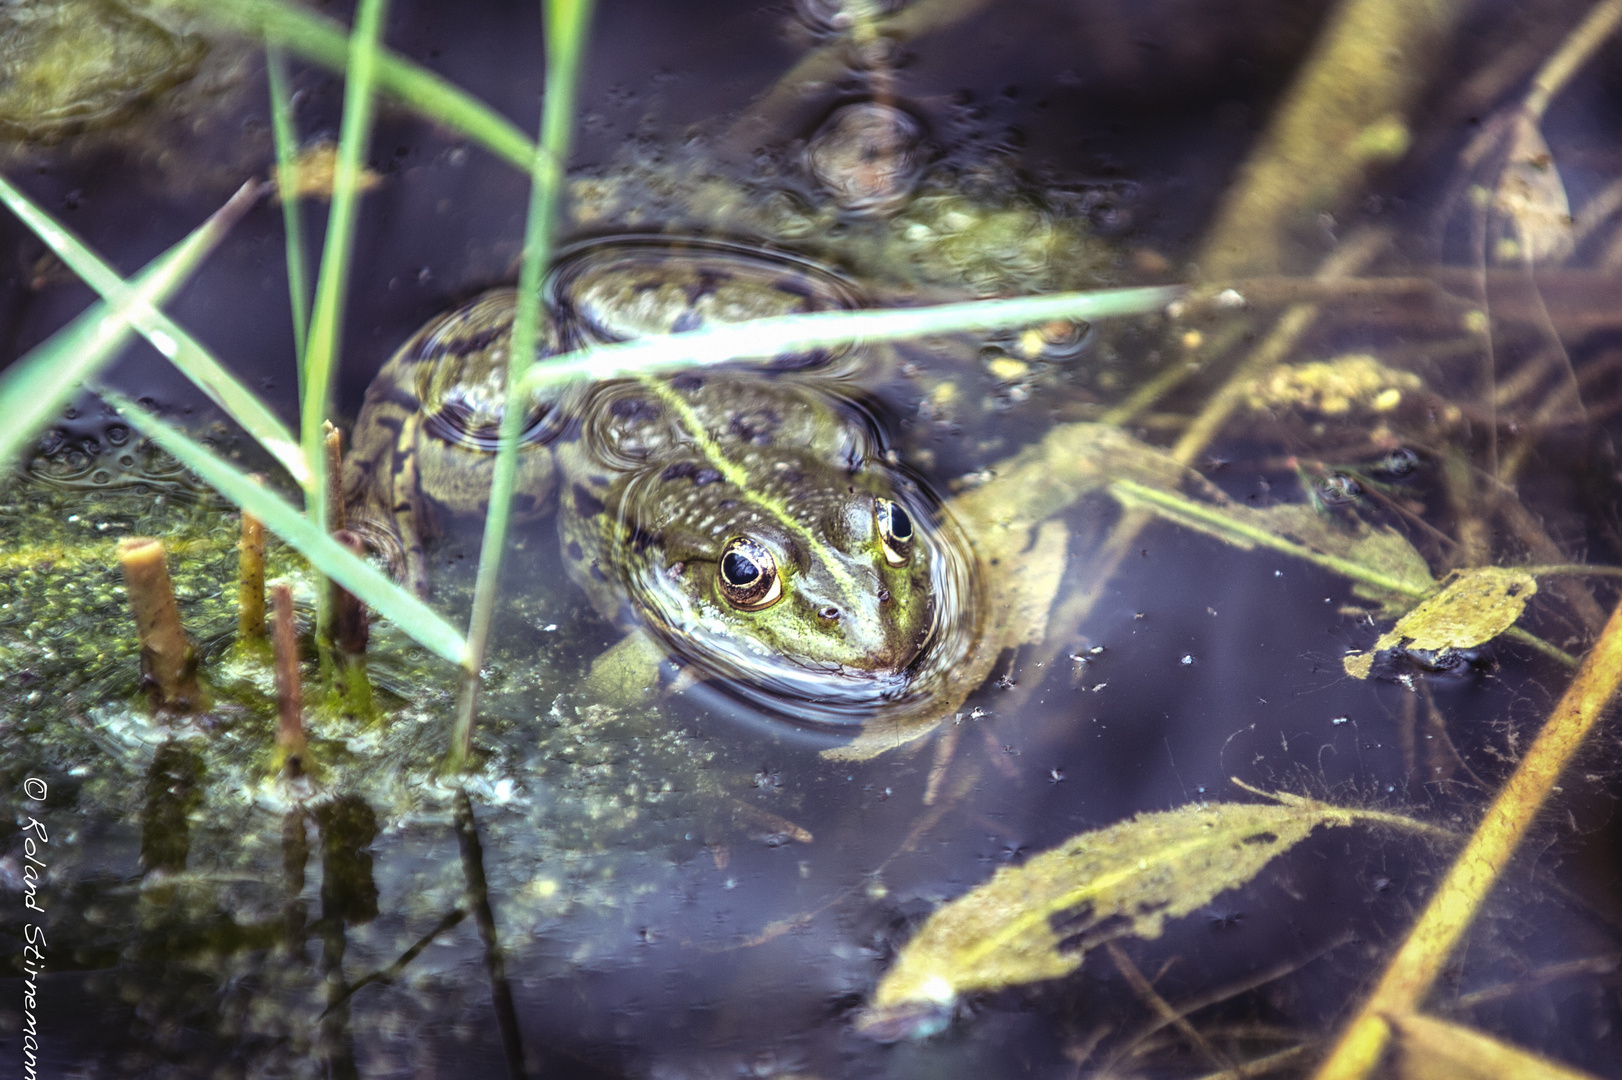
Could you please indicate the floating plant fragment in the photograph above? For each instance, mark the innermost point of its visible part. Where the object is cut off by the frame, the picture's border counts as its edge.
(1477, 606)
(313, 173)
(1037, 921)
(1356, 382)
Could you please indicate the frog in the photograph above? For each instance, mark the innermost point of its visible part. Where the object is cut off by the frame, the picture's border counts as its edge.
(744, 522)
(69, 65)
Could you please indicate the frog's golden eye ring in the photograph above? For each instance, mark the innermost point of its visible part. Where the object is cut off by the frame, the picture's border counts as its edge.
(748, 575)
(895, 532)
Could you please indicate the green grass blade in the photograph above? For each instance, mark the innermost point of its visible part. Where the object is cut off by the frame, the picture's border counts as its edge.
(383, 596)
(178, 346)
(281, 119)
(326, 320)
(566, 24)
(322, 41)
(796, 333)
(34, 389)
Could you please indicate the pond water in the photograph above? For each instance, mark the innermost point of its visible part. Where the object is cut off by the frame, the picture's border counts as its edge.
(692, 886)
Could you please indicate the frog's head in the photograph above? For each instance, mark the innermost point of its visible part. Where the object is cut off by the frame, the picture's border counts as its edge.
(814, 588)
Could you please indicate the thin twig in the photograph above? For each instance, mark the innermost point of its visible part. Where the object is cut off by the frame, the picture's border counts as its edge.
(1147, 993)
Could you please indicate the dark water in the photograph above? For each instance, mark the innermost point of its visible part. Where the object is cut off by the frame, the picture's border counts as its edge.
(657, 912)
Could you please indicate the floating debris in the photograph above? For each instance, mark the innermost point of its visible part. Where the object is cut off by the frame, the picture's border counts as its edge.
(1476, 607)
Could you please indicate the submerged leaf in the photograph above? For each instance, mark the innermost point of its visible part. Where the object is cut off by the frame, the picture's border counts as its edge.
(1036, 921)
(314, 172)
(1531, 200)
(1432, 1049)
(1477, 606)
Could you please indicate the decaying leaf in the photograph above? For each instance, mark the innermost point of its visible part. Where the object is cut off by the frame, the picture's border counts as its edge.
(313, 174)
(1036, 921)
(1432, 1049)
(1531, 201)
(1476, 606)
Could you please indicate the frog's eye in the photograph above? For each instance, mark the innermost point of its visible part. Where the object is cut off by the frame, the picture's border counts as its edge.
(895, 532)
(748, 575)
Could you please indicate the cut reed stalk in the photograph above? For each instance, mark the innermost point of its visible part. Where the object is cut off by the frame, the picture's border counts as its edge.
(332, 443)
(251, 583)
(350, 633)
(291, 743)
(168, 660)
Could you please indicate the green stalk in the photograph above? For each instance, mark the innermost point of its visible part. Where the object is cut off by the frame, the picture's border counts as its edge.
(34, 389)
(566, 22)
(322, 41)
(328, 556)
(326, 321)
(281, 118)
(1209, 519)
(797, 333)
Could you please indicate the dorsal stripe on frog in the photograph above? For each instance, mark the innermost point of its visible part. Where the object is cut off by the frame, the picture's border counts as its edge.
(735, 475)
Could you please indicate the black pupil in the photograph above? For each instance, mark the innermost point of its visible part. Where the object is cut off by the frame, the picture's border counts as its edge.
(738, 569)
(900, 523)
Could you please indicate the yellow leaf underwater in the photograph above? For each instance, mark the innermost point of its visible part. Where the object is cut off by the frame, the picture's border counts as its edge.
(1036, 921)
(314, 172)
(1476, 606)
(1432, 1049)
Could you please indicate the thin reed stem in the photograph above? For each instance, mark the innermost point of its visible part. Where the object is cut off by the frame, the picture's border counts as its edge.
(282, 123)
(566, 24)
(326, 320)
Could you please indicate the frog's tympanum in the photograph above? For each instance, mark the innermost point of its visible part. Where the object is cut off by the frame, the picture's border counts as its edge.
(745, 520)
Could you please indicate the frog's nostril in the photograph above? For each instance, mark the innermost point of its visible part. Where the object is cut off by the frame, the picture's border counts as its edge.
(884, 594)
(830, 613)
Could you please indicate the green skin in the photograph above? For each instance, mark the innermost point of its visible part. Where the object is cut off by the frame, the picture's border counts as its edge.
(656, 480)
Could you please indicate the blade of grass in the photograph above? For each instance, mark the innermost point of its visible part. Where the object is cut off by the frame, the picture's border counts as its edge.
(178, 346)
(322, 41)
(328, 556)
(794, 333)
(326, 320)
(566, 23)
(34, 389)
(281, 119)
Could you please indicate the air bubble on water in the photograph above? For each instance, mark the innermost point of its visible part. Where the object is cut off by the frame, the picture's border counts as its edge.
(1188, 659)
